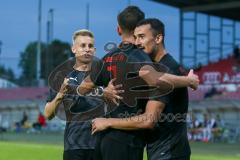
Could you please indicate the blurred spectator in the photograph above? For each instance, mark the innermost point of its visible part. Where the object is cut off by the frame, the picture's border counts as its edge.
(41, 122)
(195, 129)
(210, 129)
(220, 122)
(213, 91)
(41, 119)
(2, 129)
(218, 128)
(207, 126)
(24, 119)
(23, 124)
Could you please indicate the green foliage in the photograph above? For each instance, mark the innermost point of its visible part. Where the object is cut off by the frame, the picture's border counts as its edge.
(7, 74)
(51, 56)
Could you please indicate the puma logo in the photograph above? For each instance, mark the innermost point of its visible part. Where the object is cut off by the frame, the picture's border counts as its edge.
(75, 79)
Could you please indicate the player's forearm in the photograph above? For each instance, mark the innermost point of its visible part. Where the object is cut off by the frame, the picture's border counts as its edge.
(176, 81)
(143, 121)
(51, 107)
(155, 78)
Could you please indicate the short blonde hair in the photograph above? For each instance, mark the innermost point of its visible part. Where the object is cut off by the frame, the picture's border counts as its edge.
(82, 32)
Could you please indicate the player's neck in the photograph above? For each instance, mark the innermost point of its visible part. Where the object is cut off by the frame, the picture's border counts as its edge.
(160, 54)
(127, 38)
(79, 66)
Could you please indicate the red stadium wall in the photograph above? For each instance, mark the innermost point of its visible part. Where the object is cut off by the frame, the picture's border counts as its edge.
(226, 71)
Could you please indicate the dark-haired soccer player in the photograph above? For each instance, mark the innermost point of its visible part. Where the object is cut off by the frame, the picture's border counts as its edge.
(167, 138)
(124, 144)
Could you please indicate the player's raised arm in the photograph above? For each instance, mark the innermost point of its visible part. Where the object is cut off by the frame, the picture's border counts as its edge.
(51, 107)
(155, 78)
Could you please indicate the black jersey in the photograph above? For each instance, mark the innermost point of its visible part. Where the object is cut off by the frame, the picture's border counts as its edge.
(169, 138)
(123, 63)
(77, 133)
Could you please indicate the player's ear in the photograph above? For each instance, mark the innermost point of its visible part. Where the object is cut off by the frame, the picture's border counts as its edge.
(73, 49)
(159, 38)
(119, 30)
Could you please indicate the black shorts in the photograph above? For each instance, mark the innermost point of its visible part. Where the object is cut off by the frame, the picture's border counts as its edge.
(78, 154)
(111, 149)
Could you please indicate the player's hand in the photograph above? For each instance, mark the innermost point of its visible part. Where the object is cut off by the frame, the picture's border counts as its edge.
(112, 92)
(64, 88)
(99, 124)
(194, 80)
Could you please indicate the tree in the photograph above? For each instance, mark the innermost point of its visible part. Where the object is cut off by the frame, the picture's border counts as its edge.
(7, 74)
(51, 56)
(57, 53)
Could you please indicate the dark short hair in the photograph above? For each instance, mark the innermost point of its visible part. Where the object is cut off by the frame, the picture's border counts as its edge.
(129, 18)
(156, 25)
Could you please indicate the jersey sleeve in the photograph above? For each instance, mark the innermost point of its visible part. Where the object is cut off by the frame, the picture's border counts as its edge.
(164, 98)
(138, 59)
(51, 95)
(97, 70)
